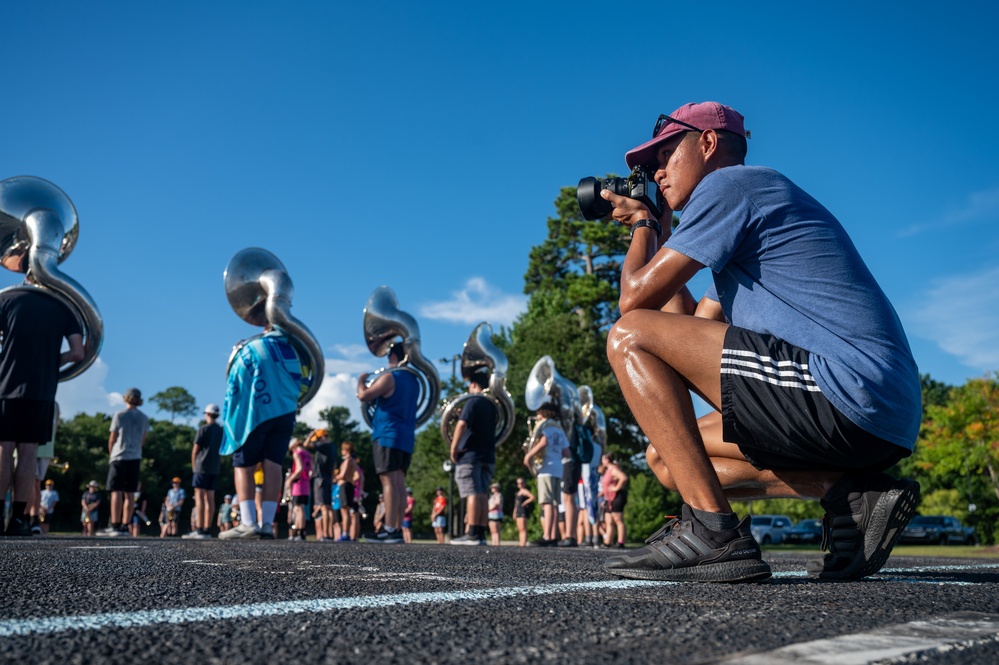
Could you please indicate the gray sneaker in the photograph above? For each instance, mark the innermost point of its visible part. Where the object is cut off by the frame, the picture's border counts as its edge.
(684, 550)
(110, 532)
(242, 532)
(864, 519)
(467, 539)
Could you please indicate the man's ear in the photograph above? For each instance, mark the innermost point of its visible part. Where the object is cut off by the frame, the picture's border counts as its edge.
(708, 144)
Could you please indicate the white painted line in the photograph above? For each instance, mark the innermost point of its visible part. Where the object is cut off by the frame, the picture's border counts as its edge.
(49, 625)
(107, 547)
(891, 642)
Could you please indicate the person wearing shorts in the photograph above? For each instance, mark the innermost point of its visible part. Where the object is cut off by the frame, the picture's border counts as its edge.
(258, 416)
(407, 516)
(347, 479)
(393, 432)
(795, 346)
(615, 484)
(551, 446)
(438, 516)
(90, 503)
(206, 463)
(473, 452)
(324, 462)
(129, 428)
(34, 324)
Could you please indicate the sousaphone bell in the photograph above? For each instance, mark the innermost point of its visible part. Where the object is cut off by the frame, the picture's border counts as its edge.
(38, 231)
(260, 290)
(478, 354)
(544, 385)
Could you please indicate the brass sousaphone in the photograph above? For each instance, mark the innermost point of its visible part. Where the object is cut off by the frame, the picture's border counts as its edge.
(593, 416)
(384, 323)
(545, 384)
(260, 291)
(38, 231)
(480, 352)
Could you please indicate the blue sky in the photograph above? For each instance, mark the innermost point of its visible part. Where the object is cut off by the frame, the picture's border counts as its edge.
(421, 145)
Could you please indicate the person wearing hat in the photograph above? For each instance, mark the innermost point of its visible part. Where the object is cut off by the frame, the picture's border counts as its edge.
(129, 428)
(34, 325)
(323, 465)
(795, 346)
(47, 501)
(90, 502)
(206, 463)
(224, 522)
(175, 498)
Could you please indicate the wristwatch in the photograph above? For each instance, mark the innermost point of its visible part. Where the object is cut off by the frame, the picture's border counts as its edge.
(650, 223)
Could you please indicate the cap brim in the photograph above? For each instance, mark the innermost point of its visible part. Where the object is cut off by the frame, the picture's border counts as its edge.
(646, 153)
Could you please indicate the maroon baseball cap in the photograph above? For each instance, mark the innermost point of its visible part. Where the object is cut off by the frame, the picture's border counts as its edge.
(705, 115)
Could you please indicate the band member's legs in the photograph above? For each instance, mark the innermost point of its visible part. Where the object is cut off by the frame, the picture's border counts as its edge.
(394, 489)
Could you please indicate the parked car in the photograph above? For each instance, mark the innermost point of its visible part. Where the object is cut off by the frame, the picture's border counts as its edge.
(805, 532)
(769, 529)
(938, 530)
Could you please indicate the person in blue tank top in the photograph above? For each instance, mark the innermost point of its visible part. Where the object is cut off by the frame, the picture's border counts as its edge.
(796, 347)
(393, 433)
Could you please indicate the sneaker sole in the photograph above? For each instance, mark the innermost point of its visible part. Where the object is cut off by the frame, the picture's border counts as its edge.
(727, 572)
(891, 513)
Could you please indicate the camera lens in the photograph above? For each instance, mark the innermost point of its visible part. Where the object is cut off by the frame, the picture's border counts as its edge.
(590, 202)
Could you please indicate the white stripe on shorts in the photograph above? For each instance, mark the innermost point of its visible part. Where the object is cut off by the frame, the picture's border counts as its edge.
(782, 373)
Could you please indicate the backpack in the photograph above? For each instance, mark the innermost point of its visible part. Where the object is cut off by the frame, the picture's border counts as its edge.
(582, 451)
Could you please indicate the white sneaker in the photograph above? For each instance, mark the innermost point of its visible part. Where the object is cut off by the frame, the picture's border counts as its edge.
(242, 532)
(110, 532)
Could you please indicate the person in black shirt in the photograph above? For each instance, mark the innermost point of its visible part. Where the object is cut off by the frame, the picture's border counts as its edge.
(323, 465)
(206, 463)
(34, 324)
(473, 450)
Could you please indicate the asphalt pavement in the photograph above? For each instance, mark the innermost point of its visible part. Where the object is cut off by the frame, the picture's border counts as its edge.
(93, 600)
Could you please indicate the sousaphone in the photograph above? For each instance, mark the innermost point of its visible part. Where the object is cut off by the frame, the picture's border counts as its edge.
(480, 354)
(384, 324)
(593, 416)
(38, 231)
(260, 290)
(544, 385)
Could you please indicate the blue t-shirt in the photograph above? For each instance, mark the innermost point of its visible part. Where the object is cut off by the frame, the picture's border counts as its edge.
(783, 265)
(264, 382)
(394, 422)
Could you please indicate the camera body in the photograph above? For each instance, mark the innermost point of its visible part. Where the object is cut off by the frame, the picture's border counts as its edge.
(639, 185)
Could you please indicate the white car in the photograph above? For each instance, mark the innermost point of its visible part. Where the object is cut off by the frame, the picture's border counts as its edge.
(770, 529)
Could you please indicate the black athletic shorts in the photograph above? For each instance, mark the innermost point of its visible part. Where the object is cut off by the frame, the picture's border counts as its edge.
(572, 473)
(26, 420)
(348, 499)
(268, 441)
(123, 475)
(390, 459)
(773, 410)
(619, 502)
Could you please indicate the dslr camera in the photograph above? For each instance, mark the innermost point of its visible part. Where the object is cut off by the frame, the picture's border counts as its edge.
(639, 186)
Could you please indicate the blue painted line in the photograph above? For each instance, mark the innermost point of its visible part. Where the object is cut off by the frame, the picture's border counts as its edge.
(49, 625)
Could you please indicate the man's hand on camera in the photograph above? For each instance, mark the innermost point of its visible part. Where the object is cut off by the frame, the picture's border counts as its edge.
(627, 210)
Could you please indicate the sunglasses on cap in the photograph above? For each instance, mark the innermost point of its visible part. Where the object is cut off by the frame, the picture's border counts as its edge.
(665, 120)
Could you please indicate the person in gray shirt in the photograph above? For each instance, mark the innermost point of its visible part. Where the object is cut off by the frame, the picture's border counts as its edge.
(206, 464)
(128, 433)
